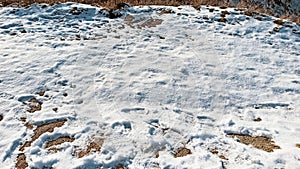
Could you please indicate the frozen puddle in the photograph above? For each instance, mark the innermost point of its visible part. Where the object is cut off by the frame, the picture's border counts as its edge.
(155, 87)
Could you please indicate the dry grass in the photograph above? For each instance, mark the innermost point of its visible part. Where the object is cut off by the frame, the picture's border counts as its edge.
(113, 3)
(259, 142)
(248, 5)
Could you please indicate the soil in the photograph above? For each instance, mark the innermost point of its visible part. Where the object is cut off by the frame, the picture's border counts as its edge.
(41, 130)
(260, 142)
(21, 161)
(34, 105)
(58, 141)
(216, 152)
(28, 125)
(41, 93)
(257, 119)
(93, 146)
(182, 152)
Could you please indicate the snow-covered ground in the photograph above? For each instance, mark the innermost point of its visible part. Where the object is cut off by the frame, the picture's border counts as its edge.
(148, 83)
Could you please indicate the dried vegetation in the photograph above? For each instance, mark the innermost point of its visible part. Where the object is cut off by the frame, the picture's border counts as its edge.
(248, 5)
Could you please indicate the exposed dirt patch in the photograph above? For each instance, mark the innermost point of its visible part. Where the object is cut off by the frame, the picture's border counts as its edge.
(257, 119)
(41, 130)
(216, 152)
(181, 152)
(28, 125)
(251, 13)
(93, 146)
(53, 149)
(21, 161)
(224, 13)
(23, 119)
(58, 141)
(279, 22)
(75, 11)
(166, 11)
(222, 19)
(298, 145)
(41, 93)
(34, 105)
(1, 117)
(276, 29)
(77, 37)
(259, 142)
(156, 153)
(120, 166)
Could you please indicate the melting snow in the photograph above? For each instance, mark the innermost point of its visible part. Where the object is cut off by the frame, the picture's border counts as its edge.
(148, 85)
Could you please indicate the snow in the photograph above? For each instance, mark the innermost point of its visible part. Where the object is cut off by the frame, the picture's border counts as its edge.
(194, 76)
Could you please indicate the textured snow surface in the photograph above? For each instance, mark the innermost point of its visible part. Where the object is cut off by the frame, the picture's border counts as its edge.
(149, 82)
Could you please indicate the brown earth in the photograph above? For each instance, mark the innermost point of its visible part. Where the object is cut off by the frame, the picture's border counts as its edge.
(260, 142)
(182, 152)
(49, 127)
(216, 152)
(93, 146)
(58, 141)
(34, 105)
(21, 161)
(298, 145)
(120, 166)
(257, 119)
(40, 93)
